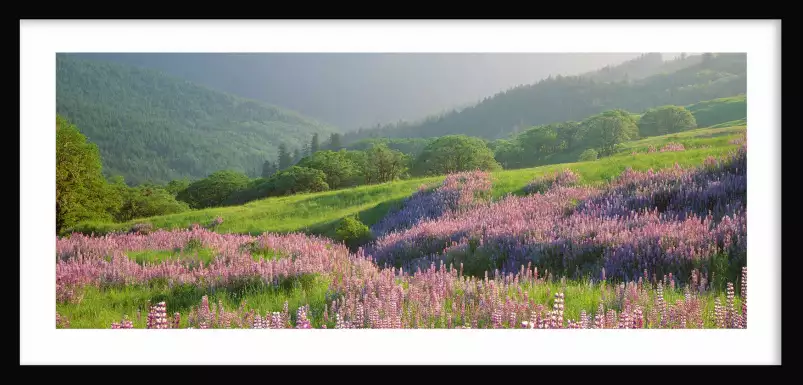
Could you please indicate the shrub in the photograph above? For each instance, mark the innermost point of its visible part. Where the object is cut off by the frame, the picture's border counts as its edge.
(147, 201)
(257, 189)
(353, 232)
(588, 155)
(666, 120)
(339, 167)
(295, 180)
(213, 190)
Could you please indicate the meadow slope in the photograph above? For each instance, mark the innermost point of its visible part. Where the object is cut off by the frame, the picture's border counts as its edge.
(672, 242)
(318, 213)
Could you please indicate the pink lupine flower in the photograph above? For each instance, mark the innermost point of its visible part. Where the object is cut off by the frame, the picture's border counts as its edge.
(730, 312)
(61, 321)
(216, 222)
(672, 147)
(719, 314)
(157, 316)
(744, 297)
(660, 221)
(125, 323)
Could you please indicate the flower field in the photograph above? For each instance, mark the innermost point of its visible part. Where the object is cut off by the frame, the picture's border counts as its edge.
(653, 249)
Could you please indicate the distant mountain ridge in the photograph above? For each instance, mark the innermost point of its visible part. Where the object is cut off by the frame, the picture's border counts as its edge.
(150, 126)
(682, 81)
(643, 66)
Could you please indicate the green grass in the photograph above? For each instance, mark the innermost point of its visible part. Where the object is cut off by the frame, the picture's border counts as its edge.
(717, 111)
(100, 307)
(697, 138)
(603, 170)
(580, 295)
(732, 123)
(318, 213)
(315, 213)
(205, 255)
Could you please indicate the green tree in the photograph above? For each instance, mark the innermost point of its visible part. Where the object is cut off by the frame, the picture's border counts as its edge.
(268, 169)
(608, 129)
(341, 170)
(508, 153)
(81, 191)
(296, 180)
(258, 188)
(666, 120)
(455, 153)
(147, 201)
(214, 189)
(335, 142)
(315, 145)
(570, 134)
(177, 185)
(539, 142)
(285, 159)
(381, 164)
(588, 155)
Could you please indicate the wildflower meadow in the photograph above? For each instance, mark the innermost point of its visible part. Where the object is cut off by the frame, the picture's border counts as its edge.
(654, 249)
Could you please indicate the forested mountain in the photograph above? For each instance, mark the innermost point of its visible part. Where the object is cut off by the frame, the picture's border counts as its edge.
(363, 89)
(643, 66)
(153, 127)
(559, 99)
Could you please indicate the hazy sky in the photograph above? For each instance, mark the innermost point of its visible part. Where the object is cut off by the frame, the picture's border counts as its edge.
(353, 90)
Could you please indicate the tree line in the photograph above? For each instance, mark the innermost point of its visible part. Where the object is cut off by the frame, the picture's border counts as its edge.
(83, 194)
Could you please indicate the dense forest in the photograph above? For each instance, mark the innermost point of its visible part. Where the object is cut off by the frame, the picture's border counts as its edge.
(353, 89)
(152, 127)
(683, 81)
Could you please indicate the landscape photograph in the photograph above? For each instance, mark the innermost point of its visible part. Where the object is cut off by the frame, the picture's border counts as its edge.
(612, 198)
(433, 205)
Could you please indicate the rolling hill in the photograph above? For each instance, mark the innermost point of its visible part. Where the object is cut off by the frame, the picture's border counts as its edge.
(318, 213)
(153, 127)
(559, 99)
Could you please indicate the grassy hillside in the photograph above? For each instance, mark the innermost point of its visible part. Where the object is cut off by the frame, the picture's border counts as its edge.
(318, 213)
(573, 98)
(717, 111)
(150, 126)
(729, 113)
